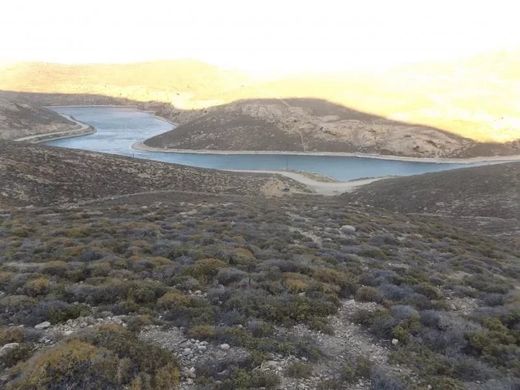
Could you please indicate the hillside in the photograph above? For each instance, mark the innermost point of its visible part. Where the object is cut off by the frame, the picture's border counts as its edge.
(473, 98)
(306, 125)
(488, 191)
(41, 176)
(183, 83)
(485, 199)
(197, 291)
(21, 119)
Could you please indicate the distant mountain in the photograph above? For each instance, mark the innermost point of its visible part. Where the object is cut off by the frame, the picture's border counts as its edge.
(184, 83)
(474, 98)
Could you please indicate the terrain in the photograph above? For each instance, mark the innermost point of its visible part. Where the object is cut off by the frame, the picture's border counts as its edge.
(473, 98)
(305, 125)
(484, 198)
(122, 273)
(21, 119)
(42, 176)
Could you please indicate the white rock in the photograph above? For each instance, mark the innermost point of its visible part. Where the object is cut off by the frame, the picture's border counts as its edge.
(347, 229)
(395, 341)
(42, 325)
(224, 347)
(271, 364)
(8, 347)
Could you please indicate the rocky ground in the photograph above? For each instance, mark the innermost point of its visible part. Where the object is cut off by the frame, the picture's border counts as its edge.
(296, 292)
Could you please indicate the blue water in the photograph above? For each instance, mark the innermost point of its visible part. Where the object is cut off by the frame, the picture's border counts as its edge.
(119, 128)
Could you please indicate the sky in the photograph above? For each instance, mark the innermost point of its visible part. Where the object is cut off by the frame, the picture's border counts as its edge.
(257, 35)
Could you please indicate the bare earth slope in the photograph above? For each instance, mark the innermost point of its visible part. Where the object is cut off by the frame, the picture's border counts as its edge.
(38, 175)
(20, 119)
(306, 125)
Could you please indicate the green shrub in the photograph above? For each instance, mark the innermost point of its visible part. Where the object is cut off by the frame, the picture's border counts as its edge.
(356, 368)
(202, 332)
(206, 269)
(38, 286)
(13, 356)
(11, 335)
(56, 267)
(299, 370)
(173, 299)
(106, 357)
(368, 294)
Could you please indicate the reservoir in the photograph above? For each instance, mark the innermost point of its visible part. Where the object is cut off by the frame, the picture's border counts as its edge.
(118, 128)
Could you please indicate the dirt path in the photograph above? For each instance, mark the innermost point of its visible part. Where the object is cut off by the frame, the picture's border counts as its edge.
(327, 188)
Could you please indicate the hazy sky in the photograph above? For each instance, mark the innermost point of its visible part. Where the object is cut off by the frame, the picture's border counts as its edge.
(258, 35)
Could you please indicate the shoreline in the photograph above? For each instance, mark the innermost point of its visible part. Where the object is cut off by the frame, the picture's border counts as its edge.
(140, 145)
(84, 129)
(325, 188)
(318, 187)
(436, 160)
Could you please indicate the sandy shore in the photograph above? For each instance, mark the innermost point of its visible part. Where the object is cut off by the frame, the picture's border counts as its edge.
(327, 188)
(438, 160)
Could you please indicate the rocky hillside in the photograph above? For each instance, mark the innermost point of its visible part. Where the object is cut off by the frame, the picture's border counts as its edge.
(487, 191)
(19, 118)
(474, 98)
(201, 291)
(39, 175)
(305, 125)
(485, 198)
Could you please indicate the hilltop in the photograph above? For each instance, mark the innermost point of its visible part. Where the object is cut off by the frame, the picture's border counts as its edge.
(182, 83)
(473, 98)
(304, 125)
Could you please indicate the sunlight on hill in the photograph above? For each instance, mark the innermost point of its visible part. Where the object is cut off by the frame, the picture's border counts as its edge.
(477, 98)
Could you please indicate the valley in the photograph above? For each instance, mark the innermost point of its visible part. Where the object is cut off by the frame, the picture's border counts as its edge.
(162, 267)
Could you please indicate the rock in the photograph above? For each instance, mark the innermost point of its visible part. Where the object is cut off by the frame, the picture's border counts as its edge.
(224, 347)
(186, 351)
(347, 229)
(395, 341)
(42, 325)
(8, 347)
(270, 365)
